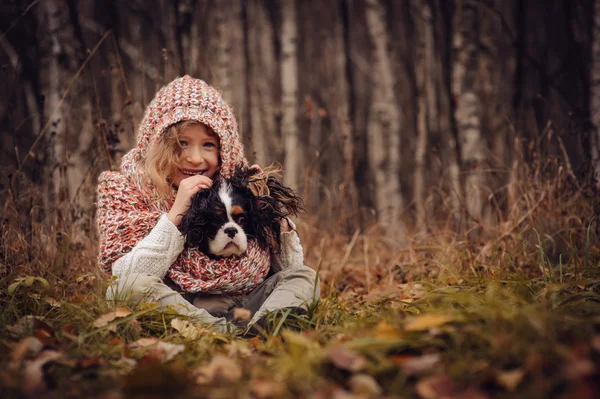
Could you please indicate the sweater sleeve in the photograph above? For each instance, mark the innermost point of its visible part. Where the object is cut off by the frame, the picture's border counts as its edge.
(290, 254)
(154, 254)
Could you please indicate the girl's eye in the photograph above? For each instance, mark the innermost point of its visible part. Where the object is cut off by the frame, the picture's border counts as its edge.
(210, 145)
(183, 143)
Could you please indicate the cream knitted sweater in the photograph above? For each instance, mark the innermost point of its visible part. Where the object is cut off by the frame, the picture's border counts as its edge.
(158, 250)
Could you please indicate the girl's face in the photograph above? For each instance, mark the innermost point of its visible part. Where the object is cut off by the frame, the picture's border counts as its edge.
(199, 155)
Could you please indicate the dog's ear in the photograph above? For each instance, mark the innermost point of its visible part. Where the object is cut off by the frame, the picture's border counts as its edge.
(266, 223)
(195, 222)
(288, 202)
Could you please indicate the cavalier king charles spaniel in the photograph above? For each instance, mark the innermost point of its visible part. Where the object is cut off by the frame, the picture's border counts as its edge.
(221, 220)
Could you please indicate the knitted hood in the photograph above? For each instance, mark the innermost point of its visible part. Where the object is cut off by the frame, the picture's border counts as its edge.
(129, 207)
(183, 99)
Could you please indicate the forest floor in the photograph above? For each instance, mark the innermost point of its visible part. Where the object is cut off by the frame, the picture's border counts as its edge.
(513, 315)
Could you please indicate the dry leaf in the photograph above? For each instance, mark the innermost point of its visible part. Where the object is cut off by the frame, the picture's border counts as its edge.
(346, 359)
(24, 325)
(365, 386)
(426, 321)
(33, 381)
(68, 332)
(579, 368)
(239, 349)
(596, 343)
(28, 345)
(52, 302)
(106, 318)
(509, 380)
(44, 333)
(241, 314)
(220, 368)
(437, 388)
(418, 366)
(263, 388)
(188, 329)
(385, 330)
(383, 292)
(157, 349)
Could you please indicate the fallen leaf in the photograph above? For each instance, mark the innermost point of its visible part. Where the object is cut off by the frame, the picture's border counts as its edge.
(23, 326)
(364, 385)
(263, 388)
(419, 366)
(157, 349)
(471, 393)
(241, 314)
(384, 292)
(106, 318)
(143, 342)
(52, 302)
(33, 382)
(220, 368)
(385, 330)
(115, 341)
(426, 321)
(579, 368)
(239, 349)
(188, 329)
(27, 346)
(509, 380)
(596, 343)
(346, 359)
(89, 362)
(44, 333)
(437, 388)
(68, 332)
(124, 364)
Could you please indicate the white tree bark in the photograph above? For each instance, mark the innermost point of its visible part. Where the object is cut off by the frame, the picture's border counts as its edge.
(262, 85)
(426, 103)
(384, 121)
(468, 112)
(595, 95)
(289, 93)
(53, 16)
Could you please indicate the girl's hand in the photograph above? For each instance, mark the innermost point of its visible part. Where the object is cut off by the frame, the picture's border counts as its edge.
(187, 188)
(285, 226)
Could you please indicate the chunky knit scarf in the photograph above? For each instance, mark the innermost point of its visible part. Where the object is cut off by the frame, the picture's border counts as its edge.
(128, 209)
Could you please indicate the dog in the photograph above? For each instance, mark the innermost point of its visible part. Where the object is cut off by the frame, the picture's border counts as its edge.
(223, 219)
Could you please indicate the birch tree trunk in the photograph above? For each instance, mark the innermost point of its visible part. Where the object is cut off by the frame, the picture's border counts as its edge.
(383, 126)
(289, 93)
(595, 96)
(426, 103)
(263, 86)
(53, 16)
(465, 87)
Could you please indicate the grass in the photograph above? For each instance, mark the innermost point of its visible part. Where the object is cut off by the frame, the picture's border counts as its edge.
(515, 314)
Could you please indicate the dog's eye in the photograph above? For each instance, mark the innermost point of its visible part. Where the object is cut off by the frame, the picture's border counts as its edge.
(240, 218)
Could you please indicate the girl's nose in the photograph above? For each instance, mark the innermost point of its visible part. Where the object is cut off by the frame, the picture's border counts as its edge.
(194, 156)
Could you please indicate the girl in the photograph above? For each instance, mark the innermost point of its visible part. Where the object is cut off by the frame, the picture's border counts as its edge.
(188, 137)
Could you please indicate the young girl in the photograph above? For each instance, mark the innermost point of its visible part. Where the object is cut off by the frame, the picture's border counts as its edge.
(188, 137)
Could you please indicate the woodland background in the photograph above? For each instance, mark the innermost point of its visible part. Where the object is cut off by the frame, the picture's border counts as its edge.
(404, 112)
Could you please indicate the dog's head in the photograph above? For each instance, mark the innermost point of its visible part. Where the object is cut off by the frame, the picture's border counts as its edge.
(223, 219)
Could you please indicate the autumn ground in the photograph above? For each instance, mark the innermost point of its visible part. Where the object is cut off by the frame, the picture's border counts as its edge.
(511, 313)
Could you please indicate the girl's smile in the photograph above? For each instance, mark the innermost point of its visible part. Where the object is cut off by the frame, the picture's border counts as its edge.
(199, 153)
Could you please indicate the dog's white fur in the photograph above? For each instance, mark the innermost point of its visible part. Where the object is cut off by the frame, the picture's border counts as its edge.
(220, 245)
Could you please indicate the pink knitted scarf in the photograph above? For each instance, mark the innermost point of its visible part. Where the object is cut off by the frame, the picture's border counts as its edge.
(128, 209)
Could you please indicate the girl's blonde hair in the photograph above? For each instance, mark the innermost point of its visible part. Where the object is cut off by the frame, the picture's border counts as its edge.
(164, 156)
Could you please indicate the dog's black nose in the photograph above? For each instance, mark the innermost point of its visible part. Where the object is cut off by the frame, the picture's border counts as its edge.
(231, 231)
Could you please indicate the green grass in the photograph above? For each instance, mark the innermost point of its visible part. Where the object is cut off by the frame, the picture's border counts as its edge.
(485, 324)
